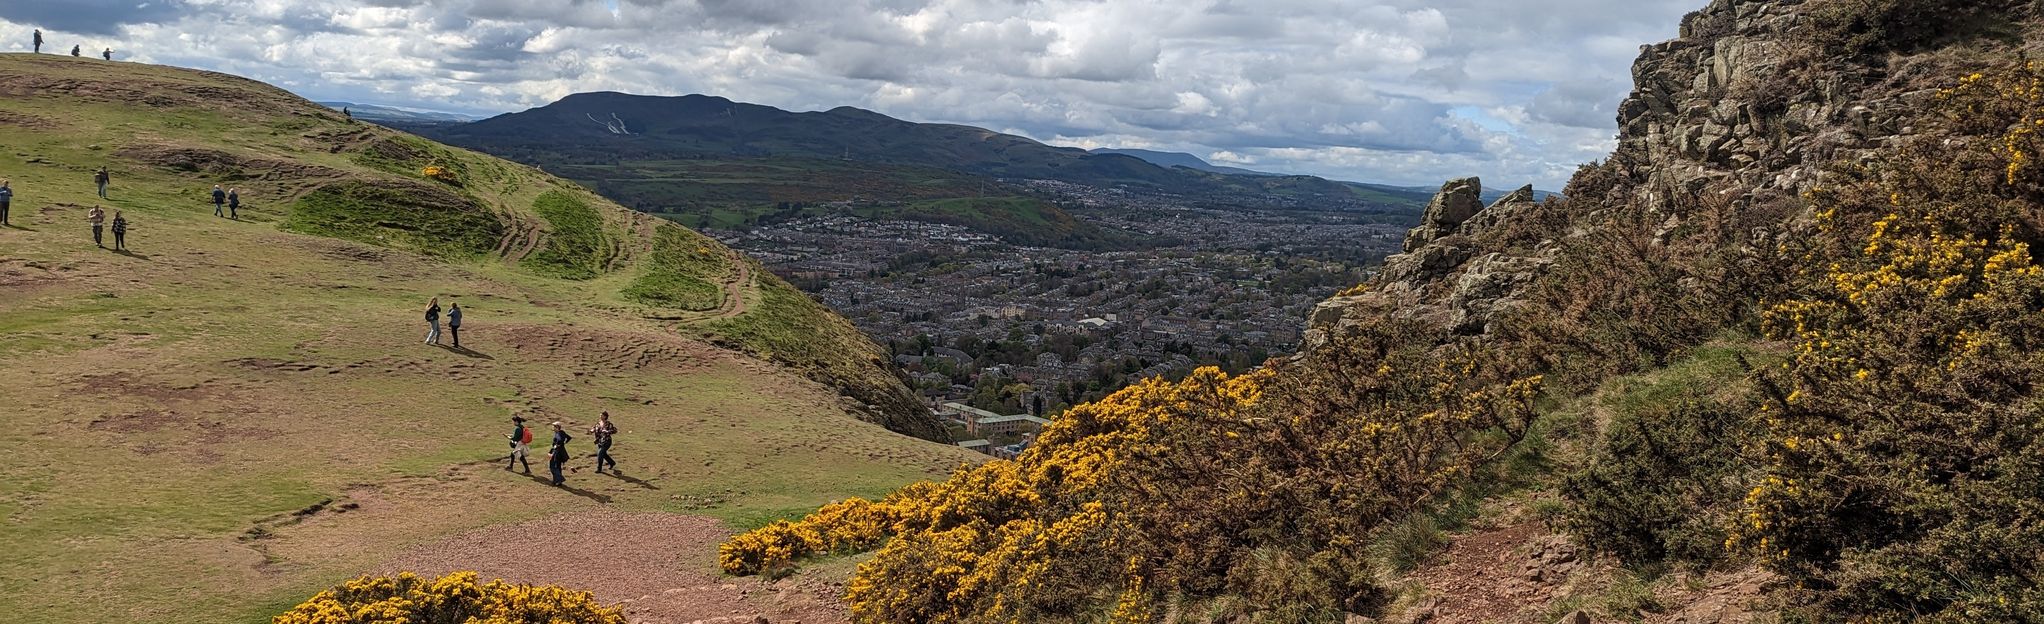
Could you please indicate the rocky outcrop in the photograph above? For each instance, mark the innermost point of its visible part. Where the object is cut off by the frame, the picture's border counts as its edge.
(1742, 107)
(1457, 202)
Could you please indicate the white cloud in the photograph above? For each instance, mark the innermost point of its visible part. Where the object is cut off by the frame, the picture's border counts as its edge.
(1401, 91)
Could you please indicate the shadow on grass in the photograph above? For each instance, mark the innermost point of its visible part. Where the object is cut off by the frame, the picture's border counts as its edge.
(600, 498)
(124, 252)
(13, 226)
(632, 480)
(466, 352)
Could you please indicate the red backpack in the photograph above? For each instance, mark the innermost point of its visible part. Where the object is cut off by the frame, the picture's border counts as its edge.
(527, 439)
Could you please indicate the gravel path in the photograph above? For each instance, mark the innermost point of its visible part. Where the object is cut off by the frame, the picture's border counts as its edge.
(658, 566)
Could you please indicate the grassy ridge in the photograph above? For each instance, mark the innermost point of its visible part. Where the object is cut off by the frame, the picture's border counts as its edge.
(169, 411)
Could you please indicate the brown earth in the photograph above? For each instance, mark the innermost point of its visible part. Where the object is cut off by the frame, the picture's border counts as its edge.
(655, 565)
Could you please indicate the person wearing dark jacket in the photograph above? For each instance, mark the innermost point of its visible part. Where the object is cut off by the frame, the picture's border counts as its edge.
(521, 439)
(6, 198)
(603, 432)
(557, 455)
(108, 54)
(102, 178)
(38, 41)
(120, 232)
(454, 323)
(234, 204)
(75, 51)
(219, 201)
(433, 322)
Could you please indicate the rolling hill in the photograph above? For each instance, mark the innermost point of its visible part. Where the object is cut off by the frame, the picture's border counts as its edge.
(708, 160)
(236, 413)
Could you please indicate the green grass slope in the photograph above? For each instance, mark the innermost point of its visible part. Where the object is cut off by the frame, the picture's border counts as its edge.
(236, 413)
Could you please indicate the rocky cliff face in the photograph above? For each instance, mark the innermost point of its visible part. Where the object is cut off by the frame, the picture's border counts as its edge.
(1740, 108)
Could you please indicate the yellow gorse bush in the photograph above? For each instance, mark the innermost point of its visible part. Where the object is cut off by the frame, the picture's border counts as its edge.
(458, 597)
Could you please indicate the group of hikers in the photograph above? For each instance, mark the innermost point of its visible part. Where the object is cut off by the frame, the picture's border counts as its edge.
(108, 54)
(433, 323)
(226, 203)
(557, 453)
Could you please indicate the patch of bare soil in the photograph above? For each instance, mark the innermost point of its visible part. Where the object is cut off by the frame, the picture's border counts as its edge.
(127, 384)
(607, 350)
(1500, 575)
(1721, 598)
(24, 120)
(655, 565)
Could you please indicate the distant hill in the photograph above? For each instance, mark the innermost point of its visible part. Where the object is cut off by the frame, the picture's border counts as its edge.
(660, 147)
(1181, 159)
(395, 115)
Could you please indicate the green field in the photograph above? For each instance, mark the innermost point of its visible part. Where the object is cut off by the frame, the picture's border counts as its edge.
(170, 408)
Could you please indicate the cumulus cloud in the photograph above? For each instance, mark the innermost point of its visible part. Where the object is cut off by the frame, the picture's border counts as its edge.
(1399, 91)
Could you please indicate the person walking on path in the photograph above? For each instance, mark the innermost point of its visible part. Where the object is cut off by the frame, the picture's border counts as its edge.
(234, 204)
(38, 41)
(557, 455)
(521, 444)
(602, 433)
(102, 178)
(120, 232)
(108, 54)
(433, 322)
(219, 201)
(6, 199)
(454, 323)
(98, 219)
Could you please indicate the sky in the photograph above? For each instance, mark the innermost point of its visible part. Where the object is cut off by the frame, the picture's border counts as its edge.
(1394, 91)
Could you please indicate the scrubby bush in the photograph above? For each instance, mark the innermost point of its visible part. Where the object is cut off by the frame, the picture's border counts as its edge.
(1662, 481)
(1904, 473)
(453, 599)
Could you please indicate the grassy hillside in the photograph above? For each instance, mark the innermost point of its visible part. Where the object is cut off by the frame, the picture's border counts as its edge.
(235, 413)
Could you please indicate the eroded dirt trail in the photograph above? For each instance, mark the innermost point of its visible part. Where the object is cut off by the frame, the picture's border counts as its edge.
(656, 565)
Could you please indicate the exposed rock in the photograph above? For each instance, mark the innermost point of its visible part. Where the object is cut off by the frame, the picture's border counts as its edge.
(1578, 616)
(1457, 202)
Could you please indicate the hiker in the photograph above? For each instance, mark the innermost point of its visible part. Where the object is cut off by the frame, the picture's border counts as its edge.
(557, 455)
(234, 204)
(603, 431)
(108, 54)
(521, 440)
(433, 322)
(98, 219)
(74, 51)
(120, 232)
(219, 201)
(348, 114)
(6, 198)
(38, 41)
(102, 178)
(454, 323)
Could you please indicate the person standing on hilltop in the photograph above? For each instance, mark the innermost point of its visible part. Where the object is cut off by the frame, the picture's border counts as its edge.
(6, 198)
(75, 51)
(454, 323)
(234, 204)
(557, 455)
(602, 433)
(521, 444)
(38, 41)
(108, 54)
(219, 201)
(98, 219)
(102, 178)
(120, 232)
(433, 322)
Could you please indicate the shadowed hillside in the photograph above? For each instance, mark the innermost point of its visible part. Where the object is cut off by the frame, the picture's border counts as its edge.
(232, 414)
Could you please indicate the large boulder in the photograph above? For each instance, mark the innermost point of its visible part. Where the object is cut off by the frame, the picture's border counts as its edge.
(1457, 202)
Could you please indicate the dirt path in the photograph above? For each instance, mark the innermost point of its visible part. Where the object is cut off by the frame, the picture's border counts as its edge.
(656, 565)
(734, 290)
